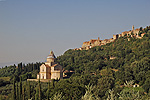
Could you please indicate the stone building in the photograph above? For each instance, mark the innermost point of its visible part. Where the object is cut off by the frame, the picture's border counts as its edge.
(92, 43)
(115, 37)
(97, 42)
(133, 32)
(143, 34)
(51, 69)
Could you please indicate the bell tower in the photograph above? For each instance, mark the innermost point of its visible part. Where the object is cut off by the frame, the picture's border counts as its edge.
(133, 28)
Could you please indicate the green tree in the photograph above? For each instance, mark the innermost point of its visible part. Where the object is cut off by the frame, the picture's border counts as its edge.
(53, 83)
(29, 90)
(57, 96)
(17, 92)
(37, 94)
(103, 85)
(88, 94)
(146, 85)
(111, 95)
(39, 88)
(23, 93)
(14, 90)
(48, 91)
(20, 89)
(129, 94)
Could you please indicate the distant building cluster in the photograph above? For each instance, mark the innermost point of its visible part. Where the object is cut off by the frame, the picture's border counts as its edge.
(97, 42)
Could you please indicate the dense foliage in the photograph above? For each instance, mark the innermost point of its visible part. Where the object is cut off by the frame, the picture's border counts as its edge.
(23, 70)
(98, 73)
(131, 59)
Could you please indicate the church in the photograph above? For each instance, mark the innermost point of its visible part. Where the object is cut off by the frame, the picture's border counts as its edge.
(51, 69)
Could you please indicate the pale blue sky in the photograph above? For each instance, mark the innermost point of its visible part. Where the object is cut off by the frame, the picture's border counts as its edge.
(29, 29)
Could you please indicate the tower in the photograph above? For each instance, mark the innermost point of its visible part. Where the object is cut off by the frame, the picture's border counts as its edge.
(133, 28)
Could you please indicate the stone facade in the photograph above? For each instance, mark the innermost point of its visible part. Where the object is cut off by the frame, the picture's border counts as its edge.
(132, 33)
(115, 37)
(96, 42)
(92, 42)
(51, 69)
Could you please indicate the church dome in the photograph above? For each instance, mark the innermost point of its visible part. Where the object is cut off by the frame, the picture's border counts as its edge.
(51, 55)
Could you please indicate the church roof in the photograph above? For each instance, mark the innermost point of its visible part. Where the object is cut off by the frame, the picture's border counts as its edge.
(57, 67)
(46, 65)
(54, 65)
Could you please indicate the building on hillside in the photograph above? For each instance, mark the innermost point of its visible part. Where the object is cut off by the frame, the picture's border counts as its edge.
(133, 32)
(111, 57)
(143, 34)
(51, 69)
(91, 43)
(120, 35)
(97, 42)
(115, 37)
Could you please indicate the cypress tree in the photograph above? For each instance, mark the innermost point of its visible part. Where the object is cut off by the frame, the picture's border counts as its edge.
(39, 86)
(29, 90)
(23, 93)
(53, 85)
(36, 94)
(20, 89)
(33, 67)
(24, 68)
(17, 92)
(20, 67)
(14, 90)
(48, 91)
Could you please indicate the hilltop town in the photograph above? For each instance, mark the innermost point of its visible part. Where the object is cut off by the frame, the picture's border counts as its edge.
(135, 33)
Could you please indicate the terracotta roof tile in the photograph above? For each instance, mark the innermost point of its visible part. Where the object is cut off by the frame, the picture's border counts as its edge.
(54, 65)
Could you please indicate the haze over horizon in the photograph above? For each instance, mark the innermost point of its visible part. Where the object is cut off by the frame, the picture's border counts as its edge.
(30, 29)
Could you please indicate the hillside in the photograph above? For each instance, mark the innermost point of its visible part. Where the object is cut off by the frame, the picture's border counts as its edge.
(126, 59)
(95, 73)
(119, 54)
